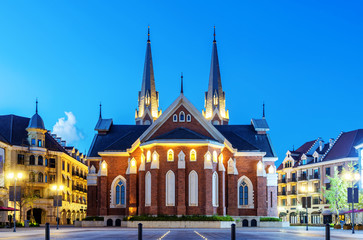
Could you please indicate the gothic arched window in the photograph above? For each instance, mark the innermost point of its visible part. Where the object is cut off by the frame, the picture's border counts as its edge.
(40, 177)
(148, 189)
(243, 193)
(181, 116)
(170, 155)
(148, 156)
(170, 188)
(214, 156)
(193, 188)
(193, 155)
(215, 189)
(120, 193)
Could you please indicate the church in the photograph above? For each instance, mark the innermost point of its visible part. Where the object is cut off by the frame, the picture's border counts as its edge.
(182, 161)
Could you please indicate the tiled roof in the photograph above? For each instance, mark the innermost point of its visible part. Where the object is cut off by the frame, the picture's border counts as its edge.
(344, 145)
(305, 147)
(181, 133)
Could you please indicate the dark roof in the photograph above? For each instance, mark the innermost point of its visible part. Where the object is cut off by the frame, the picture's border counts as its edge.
(305, 147)
(103, 124)
(245, 138)
(181, 133)
(344, 145)
(325, 148)
(13, 132)
(260, 124)
(118, 138)
(36, 122)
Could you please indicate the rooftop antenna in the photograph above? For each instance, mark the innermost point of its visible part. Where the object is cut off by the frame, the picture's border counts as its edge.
(36, 105)
(100, 110)
(148, 33)
(181, 87)
(263, 109)
(214, 34)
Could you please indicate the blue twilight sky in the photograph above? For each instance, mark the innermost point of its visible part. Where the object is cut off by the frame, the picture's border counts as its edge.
(303, 58)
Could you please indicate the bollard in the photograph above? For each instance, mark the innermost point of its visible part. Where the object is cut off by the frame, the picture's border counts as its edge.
(327, 231)
(47, 231)
(140, 232)
(233, 231)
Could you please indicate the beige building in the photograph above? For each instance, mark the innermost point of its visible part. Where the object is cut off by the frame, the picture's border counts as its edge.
(44, 161)
(304, 172)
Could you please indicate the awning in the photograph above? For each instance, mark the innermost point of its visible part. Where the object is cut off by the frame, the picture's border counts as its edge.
(7, 209)
(327, 212)
(355, 211)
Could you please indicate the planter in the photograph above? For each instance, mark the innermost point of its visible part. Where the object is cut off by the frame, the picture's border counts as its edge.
(358, 227)
(347, 227)
(274, 224)
(89, 223)
(180, 224)
(337, 226)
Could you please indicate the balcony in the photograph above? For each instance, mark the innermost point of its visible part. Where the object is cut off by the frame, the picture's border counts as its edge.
(293, 192)
(314, 176)
(282, 180)
(292, 179)
(281, 194)
(303, 178)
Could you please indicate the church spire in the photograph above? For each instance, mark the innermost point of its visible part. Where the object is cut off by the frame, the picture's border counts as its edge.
(100, 110)
(148, 100)
(181, 87)
(215, 108)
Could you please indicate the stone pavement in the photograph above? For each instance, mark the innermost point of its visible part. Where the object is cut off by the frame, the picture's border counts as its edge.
(182, 234)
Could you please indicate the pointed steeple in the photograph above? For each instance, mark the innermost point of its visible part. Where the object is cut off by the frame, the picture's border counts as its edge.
(181, 87)
(215, 106)
(148, 100)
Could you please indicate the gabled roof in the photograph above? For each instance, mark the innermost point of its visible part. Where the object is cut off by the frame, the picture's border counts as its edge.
(103, 124)
(260, 124)
(305, 147)
(344, 145)
(181, 133)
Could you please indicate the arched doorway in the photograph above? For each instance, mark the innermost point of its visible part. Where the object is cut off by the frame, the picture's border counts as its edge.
(293, 218)
(68, 217)
(245, 223)
(109, 223)
(118, 223)
(38, 215)
(253, 223)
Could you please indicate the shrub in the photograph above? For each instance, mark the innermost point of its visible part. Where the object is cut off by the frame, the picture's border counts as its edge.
(176, 218)
(93, 218)
(34, 224)
(270, 219)
(19, 224)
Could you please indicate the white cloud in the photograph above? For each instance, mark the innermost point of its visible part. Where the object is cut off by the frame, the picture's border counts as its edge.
(66, 128)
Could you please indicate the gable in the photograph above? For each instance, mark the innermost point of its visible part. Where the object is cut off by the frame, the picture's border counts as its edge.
(169, 125)
(198, 123)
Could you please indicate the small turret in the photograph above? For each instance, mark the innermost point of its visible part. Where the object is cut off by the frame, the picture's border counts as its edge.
(36, 129)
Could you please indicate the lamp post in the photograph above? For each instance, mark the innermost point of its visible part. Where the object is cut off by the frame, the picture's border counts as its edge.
(306, 190)
(352, 178)
(14, 176)
(57, 188)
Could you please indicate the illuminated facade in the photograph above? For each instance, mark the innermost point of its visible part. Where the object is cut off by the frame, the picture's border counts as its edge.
(309, 167)
(44, 160)
(182, 162)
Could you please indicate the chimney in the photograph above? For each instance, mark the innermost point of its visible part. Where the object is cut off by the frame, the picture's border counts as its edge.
(331, 142)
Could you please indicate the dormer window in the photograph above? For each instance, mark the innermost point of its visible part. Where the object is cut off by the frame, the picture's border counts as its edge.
(181, 116)
(175, 118)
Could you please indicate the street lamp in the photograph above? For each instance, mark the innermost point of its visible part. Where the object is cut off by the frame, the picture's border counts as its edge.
(57, 188)
(306, 190)
(352, 178)
(14, 176)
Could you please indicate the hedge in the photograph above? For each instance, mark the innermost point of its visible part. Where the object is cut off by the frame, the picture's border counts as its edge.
(93, 218)
(176, 218)
(270, 219)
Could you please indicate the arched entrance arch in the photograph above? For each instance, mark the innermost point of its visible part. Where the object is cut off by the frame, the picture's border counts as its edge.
(39, 215)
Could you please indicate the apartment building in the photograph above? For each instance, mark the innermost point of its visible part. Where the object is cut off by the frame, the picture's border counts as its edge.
(304, 172)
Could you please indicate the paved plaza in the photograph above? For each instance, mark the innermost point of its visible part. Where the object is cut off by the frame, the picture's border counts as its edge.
(165, 234)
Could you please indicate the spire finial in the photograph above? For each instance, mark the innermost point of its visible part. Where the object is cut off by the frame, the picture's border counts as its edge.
(263, 109)
(181, 87)
(100, 110)
(36, 105)
(214, 34)
(148, 33)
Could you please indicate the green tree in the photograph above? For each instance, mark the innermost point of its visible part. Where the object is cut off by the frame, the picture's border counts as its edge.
(337, 194)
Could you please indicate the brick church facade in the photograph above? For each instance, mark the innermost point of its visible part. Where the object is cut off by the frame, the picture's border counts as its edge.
(181, 161)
